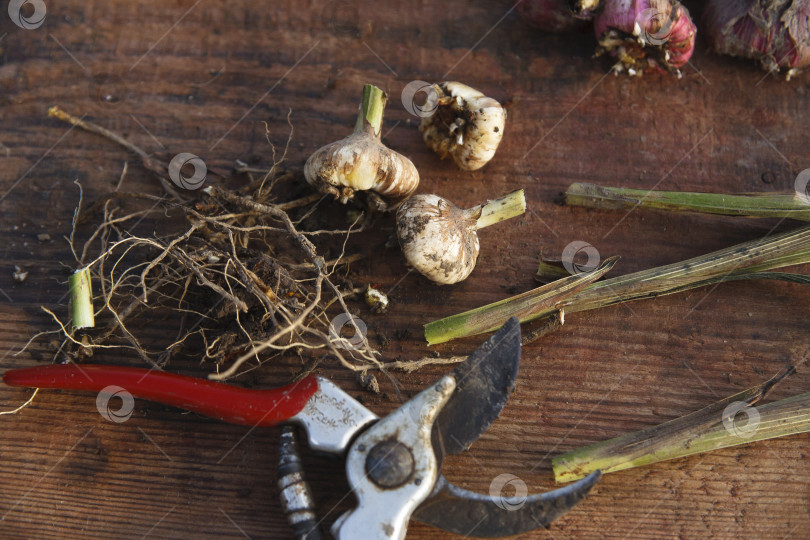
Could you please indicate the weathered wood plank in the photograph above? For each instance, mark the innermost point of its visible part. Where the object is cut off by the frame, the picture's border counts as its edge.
(203, 77)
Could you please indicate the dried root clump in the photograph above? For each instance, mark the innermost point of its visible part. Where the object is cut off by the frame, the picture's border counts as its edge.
(241, 274)
(242, 281)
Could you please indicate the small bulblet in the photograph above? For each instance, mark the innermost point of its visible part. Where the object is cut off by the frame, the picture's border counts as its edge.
(438, 238)
(465, 124)
(361, 162)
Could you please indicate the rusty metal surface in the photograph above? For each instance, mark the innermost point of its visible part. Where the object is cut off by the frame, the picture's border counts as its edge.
(495, 515)
(484, 382)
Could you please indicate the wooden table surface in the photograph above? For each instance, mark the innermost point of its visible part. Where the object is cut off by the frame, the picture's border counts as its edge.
(204, 76)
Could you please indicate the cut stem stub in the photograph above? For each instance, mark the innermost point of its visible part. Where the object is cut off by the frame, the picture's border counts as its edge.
(503, 208)
(81, 299)
(371, 110)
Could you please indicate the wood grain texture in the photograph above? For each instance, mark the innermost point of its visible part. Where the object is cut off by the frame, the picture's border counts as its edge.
(204, 76)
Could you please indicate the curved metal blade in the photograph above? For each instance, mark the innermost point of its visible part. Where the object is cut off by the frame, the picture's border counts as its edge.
(468, 513)
(484, 382)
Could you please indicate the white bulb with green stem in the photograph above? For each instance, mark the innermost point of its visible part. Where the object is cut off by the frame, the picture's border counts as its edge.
(361, 162)
(440, 240)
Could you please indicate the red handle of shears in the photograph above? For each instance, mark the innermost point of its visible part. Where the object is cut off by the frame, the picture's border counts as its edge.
(221, 401)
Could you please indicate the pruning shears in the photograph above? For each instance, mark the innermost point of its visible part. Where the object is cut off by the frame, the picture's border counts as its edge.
(392, 463)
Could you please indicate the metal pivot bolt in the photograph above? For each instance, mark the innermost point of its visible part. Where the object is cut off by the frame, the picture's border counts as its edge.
(390, 464)
(396, 452)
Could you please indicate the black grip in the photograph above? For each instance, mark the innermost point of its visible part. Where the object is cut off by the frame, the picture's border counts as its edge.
(294, 492)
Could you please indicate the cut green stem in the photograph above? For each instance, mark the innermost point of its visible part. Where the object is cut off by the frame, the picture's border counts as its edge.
(371, 110)
(81, 299)
(503, 208)
(550, 270)
(524, 306)
(760, 205)
(742, 261)
(728, 422)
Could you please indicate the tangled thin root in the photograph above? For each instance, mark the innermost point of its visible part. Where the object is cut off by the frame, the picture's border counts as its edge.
(218, 280)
